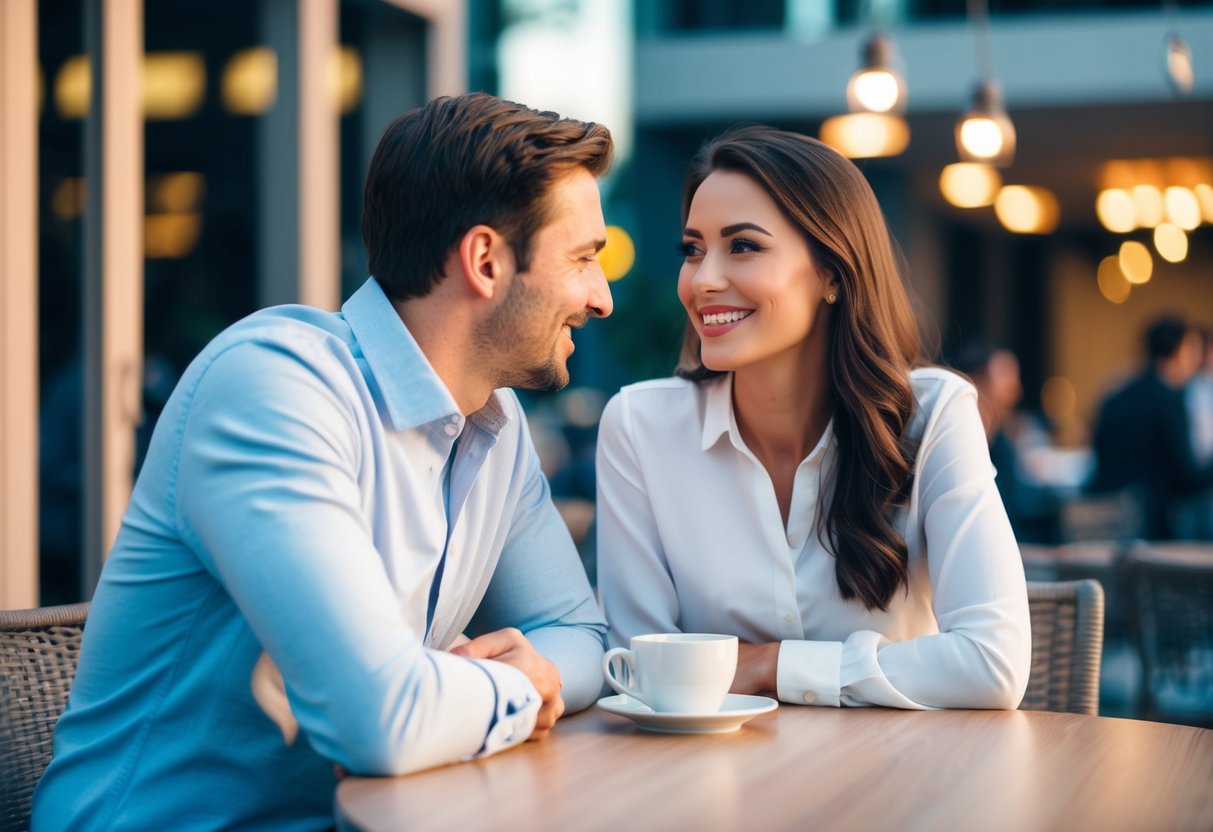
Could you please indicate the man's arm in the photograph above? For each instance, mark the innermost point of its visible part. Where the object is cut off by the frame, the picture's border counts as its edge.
(540, 587)
(267, 496)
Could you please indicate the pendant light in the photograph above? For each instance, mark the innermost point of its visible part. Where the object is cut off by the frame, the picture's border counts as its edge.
(984, 133)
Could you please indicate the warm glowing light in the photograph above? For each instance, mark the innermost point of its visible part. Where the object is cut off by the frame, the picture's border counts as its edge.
(1182, 207)
(618, 255)
(1111, 280)
(1147, 205)
(1204, 195)
(180, 192)
(174, 84)
(864, 135)
(1170, 242)
(346, 78)
(969, 184)
(1058, 398)
(169, 236)
(1114, 207)
(250, 81)
(875, 90)
(1179, 65)
(67, 200)
(73, 86)
(981, 136)
(1135, 262)
(1027, 209)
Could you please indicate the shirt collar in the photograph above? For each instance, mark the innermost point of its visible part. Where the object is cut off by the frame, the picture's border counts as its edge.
(719, 419)
(413, 394)
(718, 411)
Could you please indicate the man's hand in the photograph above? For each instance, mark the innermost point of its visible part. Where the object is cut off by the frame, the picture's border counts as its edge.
(757, 668)
(511, 647)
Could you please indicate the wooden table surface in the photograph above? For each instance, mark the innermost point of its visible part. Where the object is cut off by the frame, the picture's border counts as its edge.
(816, 769)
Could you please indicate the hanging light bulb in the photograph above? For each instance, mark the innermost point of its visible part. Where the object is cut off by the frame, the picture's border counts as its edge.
(877, 87)
(876, 97)
(985, 132)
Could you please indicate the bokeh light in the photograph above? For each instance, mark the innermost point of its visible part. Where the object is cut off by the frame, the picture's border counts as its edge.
(969, 184)
(1027, 209)
(1114, 207)
(1170, 242)
(1111, 280)
(1136, 262)
(618, 255)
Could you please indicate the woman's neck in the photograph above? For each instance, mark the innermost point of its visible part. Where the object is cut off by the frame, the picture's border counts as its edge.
(782, 407)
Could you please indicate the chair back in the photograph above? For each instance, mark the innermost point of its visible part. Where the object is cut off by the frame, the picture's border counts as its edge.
(1067, 646)
(39, 649)
(1116, 516)
(1172, 591)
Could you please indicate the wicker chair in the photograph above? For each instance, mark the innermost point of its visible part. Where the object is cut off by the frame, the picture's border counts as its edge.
(1067, 645)
(38, 653)
(1172, 591)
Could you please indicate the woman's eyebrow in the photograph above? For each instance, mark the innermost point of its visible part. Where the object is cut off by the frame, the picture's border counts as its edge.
(730, 230)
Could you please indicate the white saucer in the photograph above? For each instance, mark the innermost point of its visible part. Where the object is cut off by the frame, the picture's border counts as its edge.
(736, 710)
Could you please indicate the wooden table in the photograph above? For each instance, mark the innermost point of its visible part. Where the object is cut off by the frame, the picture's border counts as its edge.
(816, 769)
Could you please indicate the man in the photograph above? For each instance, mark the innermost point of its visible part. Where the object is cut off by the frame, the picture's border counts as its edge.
(339, 497)
(1142, 437)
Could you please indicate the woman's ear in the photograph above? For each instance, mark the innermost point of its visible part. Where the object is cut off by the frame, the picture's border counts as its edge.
(485, 258)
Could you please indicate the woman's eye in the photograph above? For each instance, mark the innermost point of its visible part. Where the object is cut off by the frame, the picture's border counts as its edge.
(740, 245)
(688, 249)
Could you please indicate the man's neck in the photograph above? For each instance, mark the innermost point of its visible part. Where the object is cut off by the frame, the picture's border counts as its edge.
(446, 337)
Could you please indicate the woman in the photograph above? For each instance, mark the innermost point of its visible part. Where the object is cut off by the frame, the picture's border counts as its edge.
(803, 484)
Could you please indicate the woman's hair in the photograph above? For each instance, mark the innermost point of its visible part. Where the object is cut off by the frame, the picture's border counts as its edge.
(459, 162)
(874, 342)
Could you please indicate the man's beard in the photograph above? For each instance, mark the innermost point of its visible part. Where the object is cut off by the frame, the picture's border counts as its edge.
(504, 336)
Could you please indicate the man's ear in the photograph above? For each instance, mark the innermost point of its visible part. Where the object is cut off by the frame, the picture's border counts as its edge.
(485, 260)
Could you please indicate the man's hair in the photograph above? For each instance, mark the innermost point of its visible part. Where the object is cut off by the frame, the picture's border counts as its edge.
(1164, 337)
(459, 162)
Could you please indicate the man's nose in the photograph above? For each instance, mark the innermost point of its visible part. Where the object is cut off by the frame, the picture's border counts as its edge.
(600, 303)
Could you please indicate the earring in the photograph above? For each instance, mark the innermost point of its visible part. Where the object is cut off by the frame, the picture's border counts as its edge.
(832, 298)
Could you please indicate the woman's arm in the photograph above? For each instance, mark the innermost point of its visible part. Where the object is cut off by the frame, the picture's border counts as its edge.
(634, 580)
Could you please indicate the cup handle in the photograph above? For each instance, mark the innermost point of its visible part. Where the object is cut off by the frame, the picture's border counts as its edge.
(627, 657)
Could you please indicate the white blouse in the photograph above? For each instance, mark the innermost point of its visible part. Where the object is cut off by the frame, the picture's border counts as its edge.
(690, 538)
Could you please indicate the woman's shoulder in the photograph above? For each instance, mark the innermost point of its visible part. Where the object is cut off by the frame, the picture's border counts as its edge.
(934, 386)
(659, 404)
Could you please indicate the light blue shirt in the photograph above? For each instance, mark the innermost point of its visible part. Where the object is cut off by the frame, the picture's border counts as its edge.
(296, 500)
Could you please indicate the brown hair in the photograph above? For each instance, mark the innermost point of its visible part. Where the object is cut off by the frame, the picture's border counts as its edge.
(460, 162)
(874, 342)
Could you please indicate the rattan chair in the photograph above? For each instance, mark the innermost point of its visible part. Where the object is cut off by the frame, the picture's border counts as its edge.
(38, 653)
(1172, 591)
(1067, 646)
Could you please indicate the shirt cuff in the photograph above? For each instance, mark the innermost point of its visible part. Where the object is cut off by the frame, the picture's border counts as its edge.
(808, 672)
(515, 711)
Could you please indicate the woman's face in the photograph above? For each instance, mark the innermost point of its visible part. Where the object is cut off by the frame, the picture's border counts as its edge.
(749, 284)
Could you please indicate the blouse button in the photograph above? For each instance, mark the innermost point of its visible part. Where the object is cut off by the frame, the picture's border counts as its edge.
(789, 618)
(450, 430)
(809, 697)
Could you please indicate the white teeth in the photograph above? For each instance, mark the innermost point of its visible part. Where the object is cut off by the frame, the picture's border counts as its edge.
(718, 318)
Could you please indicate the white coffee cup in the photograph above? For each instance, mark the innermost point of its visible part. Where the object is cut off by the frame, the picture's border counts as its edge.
(676, 672)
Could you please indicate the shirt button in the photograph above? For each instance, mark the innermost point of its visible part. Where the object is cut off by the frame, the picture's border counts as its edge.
(789, 618)
(809, 697)
(450, 430)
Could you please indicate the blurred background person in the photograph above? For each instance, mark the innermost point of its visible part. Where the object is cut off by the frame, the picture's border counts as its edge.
(1196, 516)
(1143, 436)
(994, 371)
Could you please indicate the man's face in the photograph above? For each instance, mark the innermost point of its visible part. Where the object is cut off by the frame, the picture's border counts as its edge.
(531, 330)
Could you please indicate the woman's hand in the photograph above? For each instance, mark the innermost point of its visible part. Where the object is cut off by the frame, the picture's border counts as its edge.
(757, 668)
